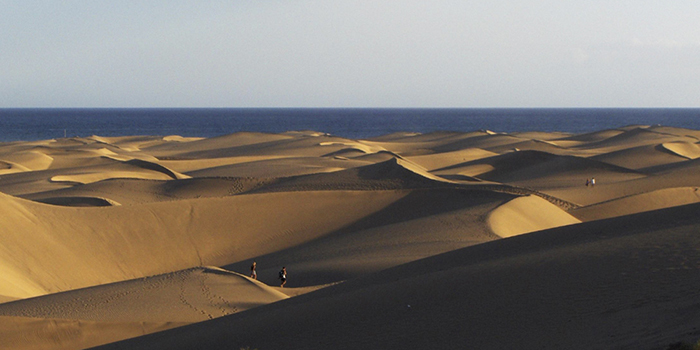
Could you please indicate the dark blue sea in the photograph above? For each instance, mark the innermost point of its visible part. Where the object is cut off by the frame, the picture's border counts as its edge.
(40, 124)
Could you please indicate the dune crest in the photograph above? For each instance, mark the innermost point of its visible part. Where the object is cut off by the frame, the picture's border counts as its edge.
(191, 295)
(30, 160)
(684, 149)
(644, 202)
(527, 214)
(108, 238)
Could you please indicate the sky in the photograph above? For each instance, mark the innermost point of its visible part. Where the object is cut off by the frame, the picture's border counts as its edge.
(374, 53)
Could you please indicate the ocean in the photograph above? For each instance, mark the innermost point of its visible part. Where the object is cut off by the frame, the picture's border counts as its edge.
(355, 123)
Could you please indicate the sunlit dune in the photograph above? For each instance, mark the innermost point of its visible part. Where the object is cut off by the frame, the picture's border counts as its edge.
(479, 240)
(683, 149)
(527, 214)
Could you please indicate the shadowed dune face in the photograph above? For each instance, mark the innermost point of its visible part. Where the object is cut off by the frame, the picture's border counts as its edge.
(482, 233)
(622, 283)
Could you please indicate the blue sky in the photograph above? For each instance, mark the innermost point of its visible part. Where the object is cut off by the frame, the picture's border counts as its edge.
(496, 53)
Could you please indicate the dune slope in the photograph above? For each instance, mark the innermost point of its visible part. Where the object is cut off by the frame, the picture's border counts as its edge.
(441, 240)
(545, 289)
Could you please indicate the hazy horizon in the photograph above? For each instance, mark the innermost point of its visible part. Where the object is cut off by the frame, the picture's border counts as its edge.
(357, 54)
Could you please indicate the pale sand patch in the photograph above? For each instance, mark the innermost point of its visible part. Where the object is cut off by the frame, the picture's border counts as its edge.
(4, 299)
(684, 149)
(527, 214)
(178, 138)
(94, 177)
(362, 147)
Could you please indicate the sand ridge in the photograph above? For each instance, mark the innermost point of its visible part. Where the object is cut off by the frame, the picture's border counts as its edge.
(645, 296)
(109, 238)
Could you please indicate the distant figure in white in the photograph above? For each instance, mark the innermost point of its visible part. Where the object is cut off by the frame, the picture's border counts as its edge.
(253, 273)
(593, 181)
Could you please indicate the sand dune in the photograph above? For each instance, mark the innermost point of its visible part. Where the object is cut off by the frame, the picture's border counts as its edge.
(392, 174)
(7, 167)
(272, 145)
(79, 201)
(68, 248)
(137, 143)
(541, 170)
(676, 131)
(436, 161)
(29, 160)
(485, 142)
(424, 223)
(620, 283)
(191, 165)
(647, 201)
(677, 175)
(534, 145)
(592, 137)
(137, 191)
(278, 167)
(186, 296)
(94, 177)
(527, 214)
(24, 333)
(640, 158)
(637, 136)
(133, 168)
(683, 149)
(442, 142)
(440, 240)
(213, 145)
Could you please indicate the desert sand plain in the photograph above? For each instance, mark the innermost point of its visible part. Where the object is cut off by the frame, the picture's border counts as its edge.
(445, 240)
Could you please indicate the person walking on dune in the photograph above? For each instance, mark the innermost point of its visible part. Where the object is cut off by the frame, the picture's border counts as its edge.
(283, 276)
(253, 273)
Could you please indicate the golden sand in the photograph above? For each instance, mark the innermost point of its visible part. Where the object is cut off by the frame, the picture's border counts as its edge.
(476, 240)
